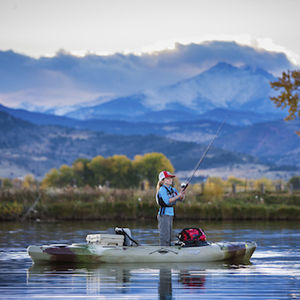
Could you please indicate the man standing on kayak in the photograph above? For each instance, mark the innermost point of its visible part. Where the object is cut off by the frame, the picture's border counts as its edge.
(166, 198)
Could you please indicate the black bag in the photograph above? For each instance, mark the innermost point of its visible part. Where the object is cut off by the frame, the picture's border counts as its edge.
(193, 237)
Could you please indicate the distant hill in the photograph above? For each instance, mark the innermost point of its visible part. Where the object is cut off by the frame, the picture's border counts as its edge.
(240, 117)
(203, 128)
(38, 117)
(129, 106)
(273, 142)
(28, 148)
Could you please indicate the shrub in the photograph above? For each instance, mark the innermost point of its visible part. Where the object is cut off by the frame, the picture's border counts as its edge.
(268, 185)
(295, 181)
(213, 191)
(10, 210)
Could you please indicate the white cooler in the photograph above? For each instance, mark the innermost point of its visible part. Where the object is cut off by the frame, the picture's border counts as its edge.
(105, 239)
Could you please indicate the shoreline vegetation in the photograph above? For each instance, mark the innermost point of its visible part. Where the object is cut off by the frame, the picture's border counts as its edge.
(119, 188)
(136, 204)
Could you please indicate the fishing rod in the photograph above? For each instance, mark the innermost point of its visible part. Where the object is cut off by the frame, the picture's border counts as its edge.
(188, 181)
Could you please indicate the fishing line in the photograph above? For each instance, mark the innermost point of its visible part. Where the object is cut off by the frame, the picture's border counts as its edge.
(188, 181)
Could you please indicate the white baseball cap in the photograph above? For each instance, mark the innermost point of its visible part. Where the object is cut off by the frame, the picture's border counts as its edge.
(165, 174)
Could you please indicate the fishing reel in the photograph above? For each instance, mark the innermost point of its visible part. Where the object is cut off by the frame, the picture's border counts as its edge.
(183, 185)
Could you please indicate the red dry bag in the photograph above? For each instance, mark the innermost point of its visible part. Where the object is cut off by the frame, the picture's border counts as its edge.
(192, 237)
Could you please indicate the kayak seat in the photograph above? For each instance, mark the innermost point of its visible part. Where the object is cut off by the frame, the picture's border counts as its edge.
(128, 240)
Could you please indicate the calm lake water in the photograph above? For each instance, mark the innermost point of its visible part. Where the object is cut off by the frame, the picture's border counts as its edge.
(274, 271)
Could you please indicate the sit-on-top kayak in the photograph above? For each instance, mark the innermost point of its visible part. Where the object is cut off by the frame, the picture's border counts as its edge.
(108, 249)
(92, 253)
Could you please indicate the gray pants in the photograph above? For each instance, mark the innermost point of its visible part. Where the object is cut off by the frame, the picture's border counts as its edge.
(165, 224)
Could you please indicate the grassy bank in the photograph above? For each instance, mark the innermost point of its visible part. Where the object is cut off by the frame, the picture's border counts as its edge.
(105, 204)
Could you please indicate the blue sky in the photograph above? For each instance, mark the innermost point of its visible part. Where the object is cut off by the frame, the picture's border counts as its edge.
(41, 28)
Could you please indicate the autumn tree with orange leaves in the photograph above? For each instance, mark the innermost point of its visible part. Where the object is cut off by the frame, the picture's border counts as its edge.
(289, 86)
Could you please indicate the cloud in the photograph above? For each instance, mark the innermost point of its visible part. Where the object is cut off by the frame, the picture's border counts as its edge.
(129, 73)
(206, 54)
(66, 78)
(43, 98)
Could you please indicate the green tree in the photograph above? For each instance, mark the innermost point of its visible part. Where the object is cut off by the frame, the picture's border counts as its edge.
(118, 170)
(7, 183)
(295, 181)
(99, 166)
(29, 182)
(149, 165)
(122, 172)
(51, 179)
(66, 176)
(83, 175)
(59, 178)
(289, 86)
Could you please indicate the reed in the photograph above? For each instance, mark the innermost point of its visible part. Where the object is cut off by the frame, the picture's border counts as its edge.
(11, 210)
(104, 204)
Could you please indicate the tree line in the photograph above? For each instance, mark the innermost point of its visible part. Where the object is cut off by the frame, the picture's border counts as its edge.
(117, 171)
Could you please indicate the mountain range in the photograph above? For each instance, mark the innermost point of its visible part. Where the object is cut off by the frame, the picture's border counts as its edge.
(49, 141)
(177, 119)
(30, 148)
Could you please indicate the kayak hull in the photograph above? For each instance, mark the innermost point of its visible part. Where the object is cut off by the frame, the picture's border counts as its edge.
(96, 253)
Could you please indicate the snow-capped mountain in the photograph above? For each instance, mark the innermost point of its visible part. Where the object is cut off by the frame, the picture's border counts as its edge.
(222, 86)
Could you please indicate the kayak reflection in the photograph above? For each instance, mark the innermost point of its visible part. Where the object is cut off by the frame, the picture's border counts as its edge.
(111, 279)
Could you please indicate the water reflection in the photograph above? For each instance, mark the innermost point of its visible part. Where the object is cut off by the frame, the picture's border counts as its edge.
(165, 284)
(192, 279)
(274, 273)
(127, 278)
